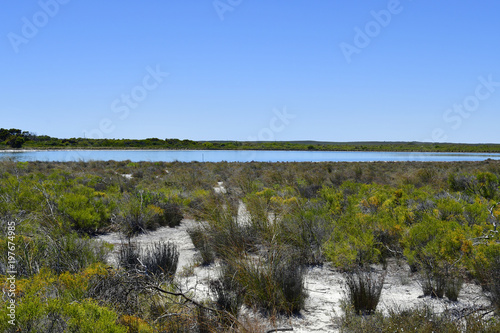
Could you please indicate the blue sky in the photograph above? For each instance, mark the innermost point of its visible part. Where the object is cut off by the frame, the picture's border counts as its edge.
(418, 70)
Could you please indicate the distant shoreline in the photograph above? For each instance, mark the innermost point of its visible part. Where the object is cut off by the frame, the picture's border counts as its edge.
(15, 140)
(27, 150)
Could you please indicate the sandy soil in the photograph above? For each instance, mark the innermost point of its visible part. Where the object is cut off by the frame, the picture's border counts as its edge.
(324, 285)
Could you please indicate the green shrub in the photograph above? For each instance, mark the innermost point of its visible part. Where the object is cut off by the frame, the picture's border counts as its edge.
(221, 233)
(148, 211)
(351, 249)
(201, 243)
(437, 247)
(54, 315)
(275, 285)
(420, 320)
(47, 302)
(120, 290)
(229, 294)
(86, 211)
(129, 255)
(67, 253)
(306, 230)
(454, 285)
(364, 288)
(485, 184)
(161, 259)
(171, 215)
(487, 269)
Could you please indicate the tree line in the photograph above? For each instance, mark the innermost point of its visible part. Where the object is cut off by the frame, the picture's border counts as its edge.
(16, 138)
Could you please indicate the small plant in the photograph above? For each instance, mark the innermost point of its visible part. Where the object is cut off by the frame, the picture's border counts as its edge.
(148, 211)
(364, 288)
(201, 242)
(129, 255)
(68, 253)
(228, 292)
(118, 289)
(440, 280)
(433, 282)
(493, 283)
(421, 319)
(275, 285)
(172, 214)
(454, 284)
(187, 270)
(161, 259)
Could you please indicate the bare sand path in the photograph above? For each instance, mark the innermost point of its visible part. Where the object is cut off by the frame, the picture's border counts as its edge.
(324, 285)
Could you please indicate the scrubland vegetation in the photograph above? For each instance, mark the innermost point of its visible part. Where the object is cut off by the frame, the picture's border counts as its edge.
(16, 138)
(440, 218)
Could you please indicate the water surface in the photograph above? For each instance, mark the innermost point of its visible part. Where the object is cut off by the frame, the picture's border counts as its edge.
(238, 156)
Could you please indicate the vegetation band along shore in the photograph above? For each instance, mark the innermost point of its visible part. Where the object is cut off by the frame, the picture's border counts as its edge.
(17, 139)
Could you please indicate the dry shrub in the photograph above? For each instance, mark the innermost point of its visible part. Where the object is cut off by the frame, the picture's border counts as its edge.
(364, 288)
(421, 319)
(159, 259)
(274, 285)
(201, 243)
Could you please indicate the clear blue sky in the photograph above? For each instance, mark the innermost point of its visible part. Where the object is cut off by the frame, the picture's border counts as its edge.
(418, 72)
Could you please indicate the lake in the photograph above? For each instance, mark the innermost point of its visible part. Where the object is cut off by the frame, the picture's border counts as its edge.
(238, 156)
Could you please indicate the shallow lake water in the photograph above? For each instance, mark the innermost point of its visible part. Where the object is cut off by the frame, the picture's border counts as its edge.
(238, 156)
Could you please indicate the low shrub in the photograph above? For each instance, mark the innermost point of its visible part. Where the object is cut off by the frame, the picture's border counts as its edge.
(161, 259)
(453, 286)
(275, 285)
(58, 316)
(117, 289)
(364, 288)
(486, 266)
(441, 280)
(47, 302)
(493, 282)
(306, 232)
(422, 320)
(144, 211)
(172, 214)
(129, 255)
(201, 243)
(229, 294)
(433, 283)
(67, 253)
(221, 234)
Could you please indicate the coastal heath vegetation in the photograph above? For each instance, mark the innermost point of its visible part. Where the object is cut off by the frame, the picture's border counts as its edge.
(272, 223)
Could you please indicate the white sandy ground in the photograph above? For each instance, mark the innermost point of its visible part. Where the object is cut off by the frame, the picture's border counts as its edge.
(323, 284)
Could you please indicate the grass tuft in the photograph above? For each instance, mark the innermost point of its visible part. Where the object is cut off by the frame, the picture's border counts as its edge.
(364, 289)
